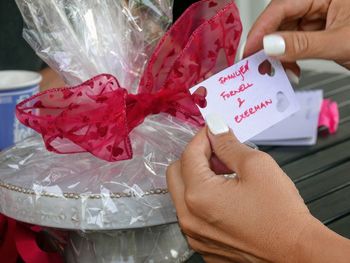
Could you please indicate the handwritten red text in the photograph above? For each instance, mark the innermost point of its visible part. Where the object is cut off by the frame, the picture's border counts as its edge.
(228, 94)
(253, 110)
(240, 102)
(238, 73)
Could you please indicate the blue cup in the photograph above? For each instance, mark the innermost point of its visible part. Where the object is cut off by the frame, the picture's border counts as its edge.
(15, 86)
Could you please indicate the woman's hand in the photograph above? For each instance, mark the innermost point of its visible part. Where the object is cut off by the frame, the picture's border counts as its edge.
(258, 216)
(298, 29)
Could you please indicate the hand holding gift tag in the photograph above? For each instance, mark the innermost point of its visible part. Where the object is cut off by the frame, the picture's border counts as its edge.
(251, 95)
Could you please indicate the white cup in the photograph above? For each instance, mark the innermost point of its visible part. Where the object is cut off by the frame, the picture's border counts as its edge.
(15, 86)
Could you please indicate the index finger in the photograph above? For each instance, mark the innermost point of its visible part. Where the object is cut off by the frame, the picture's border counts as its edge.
(195, 161)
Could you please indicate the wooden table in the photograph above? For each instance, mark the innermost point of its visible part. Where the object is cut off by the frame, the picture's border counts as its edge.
(322, 172)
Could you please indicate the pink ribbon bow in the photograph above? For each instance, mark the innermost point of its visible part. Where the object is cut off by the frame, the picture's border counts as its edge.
(98, 115)
(329, 116)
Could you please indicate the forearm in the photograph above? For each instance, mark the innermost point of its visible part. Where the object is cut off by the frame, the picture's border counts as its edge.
(321, 245)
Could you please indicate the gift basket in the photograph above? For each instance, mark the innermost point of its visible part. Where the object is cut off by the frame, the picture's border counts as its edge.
(98, 168)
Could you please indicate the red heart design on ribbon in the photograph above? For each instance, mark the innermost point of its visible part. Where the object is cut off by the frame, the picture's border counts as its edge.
(212, 4)
(230, 19)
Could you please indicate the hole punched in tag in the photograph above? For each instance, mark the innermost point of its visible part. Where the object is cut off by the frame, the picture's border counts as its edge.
(282, 102)
(199, 97)
(266, 68)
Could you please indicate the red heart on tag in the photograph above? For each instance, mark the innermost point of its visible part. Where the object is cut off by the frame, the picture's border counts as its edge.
(199, 97)
(266, 68)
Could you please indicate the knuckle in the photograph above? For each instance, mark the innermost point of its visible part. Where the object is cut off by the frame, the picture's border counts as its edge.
(192, 200)
(254, 158)
(225, 144)
(200, 204)
(195, 245)
(264, 156)
(300, 42)
(186, 225)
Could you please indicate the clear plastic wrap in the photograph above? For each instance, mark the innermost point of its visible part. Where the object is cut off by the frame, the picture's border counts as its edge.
(79, 191)
(163, 243)
(94, 198)
(81, 39)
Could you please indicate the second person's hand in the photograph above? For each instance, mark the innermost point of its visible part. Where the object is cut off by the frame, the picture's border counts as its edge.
(299, 29)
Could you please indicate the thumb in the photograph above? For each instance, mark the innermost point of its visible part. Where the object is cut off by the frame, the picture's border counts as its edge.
(226, 146)
(291, 46)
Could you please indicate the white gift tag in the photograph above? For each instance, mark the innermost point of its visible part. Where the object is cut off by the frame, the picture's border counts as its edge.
(250, 96)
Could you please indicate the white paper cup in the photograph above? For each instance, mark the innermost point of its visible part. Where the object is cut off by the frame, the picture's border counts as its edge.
(15, 86)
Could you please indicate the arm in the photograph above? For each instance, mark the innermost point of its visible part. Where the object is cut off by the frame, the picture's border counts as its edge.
(257, 217)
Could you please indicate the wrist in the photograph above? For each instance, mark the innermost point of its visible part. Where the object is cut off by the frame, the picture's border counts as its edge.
(319, 244)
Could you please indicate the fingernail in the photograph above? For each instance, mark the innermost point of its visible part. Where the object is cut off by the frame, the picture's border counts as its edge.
(241, 50)
(292, 76)
(274, 45)
(216, 124)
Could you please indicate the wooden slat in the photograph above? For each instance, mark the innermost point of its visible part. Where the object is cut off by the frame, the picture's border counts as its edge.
(325, 183)
(285, 155)
(338, 89)
(341, 226)
(330, 84)
(332, 207)
(320, 161)
(312, 80)
(341, 94)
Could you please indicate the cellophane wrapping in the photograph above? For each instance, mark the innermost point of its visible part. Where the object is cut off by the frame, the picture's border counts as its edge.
(81, 39)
